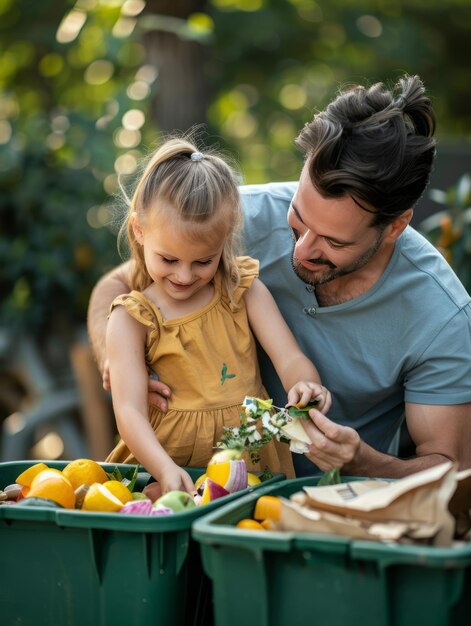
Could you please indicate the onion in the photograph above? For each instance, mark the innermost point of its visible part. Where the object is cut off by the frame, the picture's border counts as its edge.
(160, 509)
(237, 476)
(137, 507)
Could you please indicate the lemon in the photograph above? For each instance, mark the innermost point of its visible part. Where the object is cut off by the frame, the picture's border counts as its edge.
(52, 485)
(100, 498)
(252, 479)
(119, 490)
(219, 472)
(27, 476)
(84, 472)
(50, 472)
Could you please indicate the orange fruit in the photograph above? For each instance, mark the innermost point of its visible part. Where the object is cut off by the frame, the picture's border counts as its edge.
(53, 486)
(27, 476)
(267, 524)
(267, 507)
(100, 498)
(249, 524)
(23, 493)
(50, 472)
(119, 490)
(252, 479)
(84, 472)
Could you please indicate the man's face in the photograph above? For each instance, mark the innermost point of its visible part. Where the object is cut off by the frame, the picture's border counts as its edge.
(333, 236)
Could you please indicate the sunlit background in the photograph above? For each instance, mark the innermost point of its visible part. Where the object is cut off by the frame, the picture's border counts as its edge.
(86, 90)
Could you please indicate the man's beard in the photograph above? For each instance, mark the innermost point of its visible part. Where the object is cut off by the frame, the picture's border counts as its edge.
(333, 271)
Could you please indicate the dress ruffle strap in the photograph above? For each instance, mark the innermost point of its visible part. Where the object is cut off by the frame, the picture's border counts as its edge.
(249, 271)
(142, 310)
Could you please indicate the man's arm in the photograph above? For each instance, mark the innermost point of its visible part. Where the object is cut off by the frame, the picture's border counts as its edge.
(440, 433)
(105, 291)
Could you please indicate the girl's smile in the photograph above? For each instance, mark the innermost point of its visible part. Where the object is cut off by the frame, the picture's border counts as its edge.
(179, 286)
(180, 265)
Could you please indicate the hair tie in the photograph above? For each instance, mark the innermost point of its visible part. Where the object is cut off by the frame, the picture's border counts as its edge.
(197, 156)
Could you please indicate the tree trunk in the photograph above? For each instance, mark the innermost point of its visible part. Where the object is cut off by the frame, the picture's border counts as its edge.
(182, 95)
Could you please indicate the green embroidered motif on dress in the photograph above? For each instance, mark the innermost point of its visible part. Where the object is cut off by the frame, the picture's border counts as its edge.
(225, 375)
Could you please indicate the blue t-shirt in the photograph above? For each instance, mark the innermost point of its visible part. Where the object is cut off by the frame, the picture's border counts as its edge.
(406, 339)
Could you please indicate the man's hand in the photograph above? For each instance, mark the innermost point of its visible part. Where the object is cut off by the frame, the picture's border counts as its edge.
(158, 395)
(333, 445)
(440, 433)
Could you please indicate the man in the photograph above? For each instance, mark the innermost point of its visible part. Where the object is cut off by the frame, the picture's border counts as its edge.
(370, 301)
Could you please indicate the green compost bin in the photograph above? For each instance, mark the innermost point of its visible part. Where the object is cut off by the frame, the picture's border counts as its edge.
(273, 578)
(64, 567)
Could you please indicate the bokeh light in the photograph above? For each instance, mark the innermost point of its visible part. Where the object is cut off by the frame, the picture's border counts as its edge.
(370, 26)
(5, 131)
(293, 96)
(99, 72)
(70, 26)
(133, 119)
(125, 164)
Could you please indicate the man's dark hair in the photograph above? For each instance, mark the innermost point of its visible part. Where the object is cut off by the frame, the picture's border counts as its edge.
(373, 145)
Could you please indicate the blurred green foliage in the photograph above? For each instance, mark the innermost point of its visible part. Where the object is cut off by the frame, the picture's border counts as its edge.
(76, 90)
(65, 79)
(450, 228)
(279, 61)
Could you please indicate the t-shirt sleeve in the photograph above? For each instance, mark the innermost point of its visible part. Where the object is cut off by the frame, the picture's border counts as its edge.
(443, 374)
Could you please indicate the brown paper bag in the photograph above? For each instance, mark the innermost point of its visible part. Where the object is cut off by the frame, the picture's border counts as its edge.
(414, 508)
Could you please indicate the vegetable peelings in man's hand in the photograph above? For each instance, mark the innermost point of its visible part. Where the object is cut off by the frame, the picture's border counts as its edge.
(261, 421)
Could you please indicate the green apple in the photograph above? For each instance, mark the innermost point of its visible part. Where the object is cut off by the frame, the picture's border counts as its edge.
(177, 501)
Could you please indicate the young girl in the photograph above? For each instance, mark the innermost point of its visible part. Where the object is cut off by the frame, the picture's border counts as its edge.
(190, 319)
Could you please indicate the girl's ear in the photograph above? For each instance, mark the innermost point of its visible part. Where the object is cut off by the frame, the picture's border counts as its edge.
(137, 228)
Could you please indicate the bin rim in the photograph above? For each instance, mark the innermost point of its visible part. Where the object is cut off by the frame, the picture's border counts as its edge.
(209, 530)
(73, 518)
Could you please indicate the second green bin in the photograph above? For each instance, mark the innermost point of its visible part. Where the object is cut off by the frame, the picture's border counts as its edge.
(272, 578)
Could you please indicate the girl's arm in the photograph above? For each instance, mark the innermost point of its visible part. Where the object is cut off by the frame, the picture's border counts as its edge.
(297, 373)
(125, 345)
(113, 284)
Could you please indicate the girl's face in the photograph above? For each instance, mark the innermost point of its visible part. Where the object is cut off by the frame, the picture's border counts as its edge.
(180, 264)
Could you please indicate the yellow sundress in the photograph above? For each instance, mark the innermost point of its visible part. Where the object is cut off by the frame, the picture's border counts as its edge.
(209, 360)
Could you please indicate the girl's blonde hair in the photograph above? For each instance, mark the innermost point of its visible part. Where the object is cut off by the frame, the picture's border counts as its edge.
(197, 194)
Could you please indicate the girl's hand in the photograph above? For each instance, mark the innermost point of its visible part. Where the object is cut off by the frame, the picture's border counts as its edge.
(174, 478)
(304, 392)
